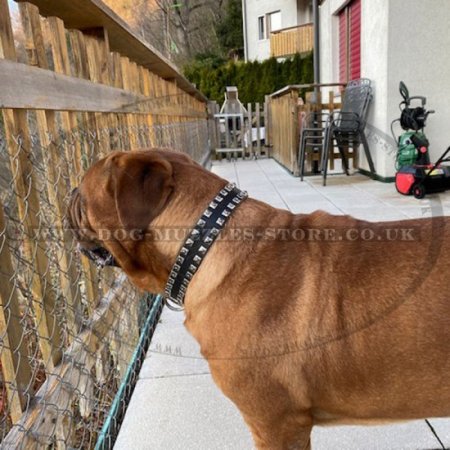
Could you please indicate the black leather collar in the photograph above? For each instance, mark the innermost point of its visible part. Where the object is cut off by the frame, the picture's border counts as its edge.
(198, 243)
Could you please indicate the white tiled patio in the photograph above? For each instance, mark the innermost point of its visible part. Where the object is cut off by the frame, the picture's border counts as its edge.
(177, 406)
(356, 195)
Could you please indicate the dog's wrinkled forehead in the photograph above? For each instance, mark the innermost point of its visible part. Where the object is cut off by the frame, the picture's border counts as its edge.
(89, 195)
(125, 190)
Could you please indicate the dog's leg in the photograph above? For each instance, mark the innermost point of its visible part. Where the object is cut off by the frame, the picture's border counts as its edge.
(281, 435)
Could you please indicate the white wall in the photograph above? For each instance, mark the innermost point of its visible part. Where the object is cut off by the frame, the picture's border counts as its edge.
(400, 40)
(257, 49)
(329, 43)
(419, 49)
(374, 65)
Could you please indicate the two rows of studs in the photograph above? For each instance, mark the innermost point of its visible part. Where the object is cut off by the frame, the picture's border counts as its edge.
(207, 241)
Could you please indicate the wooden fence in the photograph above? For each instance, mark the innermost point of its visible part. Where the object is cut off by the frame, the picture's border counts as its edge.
(85, 85)
(287, 109)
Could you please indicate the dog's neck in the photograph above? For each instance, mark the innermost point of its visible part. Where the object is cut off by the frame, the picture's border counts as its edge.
(199, 241)
(167, 232)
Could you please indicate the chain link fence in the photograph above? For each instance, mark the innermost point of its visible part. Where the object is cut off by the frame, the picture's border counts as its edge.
(72, 336)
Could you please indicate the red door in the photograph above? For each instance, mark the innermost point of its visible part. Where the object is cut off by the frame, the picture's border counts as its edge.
(350, 42)
(355, 39)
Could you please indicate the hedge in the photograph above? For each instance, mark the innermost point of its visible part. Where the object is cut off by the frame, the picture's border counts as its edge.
(254, 79)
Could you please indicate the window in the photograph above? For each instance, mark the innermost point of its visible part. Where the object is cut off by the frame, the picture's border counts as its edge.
(268, 23)
(273, 22)
(261, 28)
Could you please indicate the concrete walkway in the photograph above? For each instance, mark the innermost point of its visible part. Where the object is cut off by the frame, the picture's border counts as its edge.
(176, 405)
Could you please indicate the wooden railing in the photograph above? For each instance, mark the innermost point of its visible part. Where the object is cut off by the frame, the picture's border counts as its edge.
(289, 41)
(286, 110)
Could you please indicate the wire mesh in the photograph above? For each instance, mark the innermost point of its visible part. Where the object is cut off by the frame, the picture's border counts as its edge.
(68, 331)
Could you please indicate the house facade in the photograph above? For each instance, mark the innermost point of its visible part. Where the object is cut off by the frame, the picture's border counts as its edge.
(388, 41)
(278, 28)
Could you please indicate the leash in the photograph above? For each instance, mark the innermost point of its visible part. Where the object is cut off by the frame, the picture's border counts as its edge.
(198, 243)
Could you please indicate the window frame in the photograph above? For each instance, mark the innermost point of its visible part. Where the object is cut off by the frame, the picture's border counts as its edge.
(262, 28)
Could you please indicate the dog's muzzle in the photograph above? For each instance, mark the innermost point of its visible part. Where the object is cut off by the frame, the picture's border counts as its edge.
(100, 256)
(86, 244)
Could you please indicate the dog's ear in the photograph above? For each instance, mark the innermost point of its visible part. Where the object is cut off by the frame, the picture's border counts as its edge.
(141, 183)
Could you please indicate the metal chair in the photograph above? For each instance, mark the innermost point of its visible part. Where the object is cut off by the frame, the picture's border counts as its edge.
(313, 140)
(347, 126)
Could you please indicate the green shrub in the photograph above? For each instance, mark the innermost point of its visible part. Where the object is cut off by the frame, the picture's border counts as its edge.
(211, 74)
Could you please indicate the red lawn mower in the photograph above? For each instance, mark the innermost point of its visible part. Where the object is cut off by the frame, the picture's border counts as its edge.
(415, 174)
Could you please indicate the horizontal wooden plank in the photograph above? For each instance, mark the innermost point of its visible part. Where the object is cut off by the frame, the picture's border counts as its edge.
(294, 27)
(89, 14)
(27, 87)
(298, 87)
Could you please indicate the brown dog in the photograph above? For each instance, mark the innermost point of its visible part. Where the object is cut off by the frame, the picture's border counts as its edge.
(319, 319)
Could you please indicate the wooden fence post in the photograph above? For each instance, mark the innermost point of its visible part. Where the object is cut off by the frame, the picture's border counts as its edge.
(212, 129)
(258, 129)
(294, 143)
(128, 85)
(89, 122)
(146, 119)
(267, 124)
(16, 369)
(250, 130)
(98, 61)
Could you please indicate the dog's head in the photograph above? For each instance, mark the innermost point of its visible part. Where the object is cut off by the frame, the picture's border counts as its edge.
(117, 200)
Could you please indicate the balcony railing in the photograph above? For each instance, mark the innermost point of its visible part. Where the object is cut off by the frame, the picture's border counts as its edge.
(289, 41)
